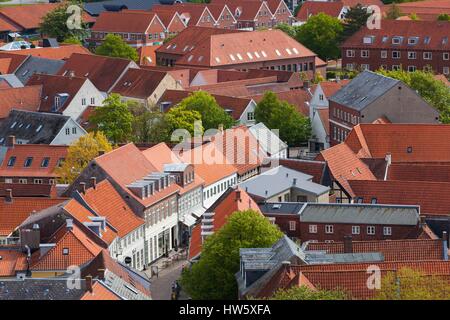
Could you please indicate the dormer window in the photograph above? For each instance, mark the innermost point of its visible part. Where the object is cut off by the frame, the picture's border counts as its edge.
(426, 40)
(45, 162)
(28, 162)
(11, 161)
(413, 40)
(57, 102)
(396, 40)
(368, 39)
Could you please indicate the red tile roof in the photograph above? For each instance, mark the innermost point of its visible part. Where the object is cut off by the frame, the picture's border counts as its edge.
(324, 115)
(226, 205)
(63, 52)
(139, 83)
(310, 8)
(436, 30)
(248, 8)
(147, 55)
(192, 10)
(26, 99)
(53, 85)
(314, 168)
(12, 214)
(99, 292)
(11, 62)
(425, 10)
(81, 250)
(10, 262)
(392, 250)
(229, 49)
(345, 166)
(126, 165)
(107, 202)
(433, 197)
(419, 172)
(329, 88)
(30, 19)
(102, 71)
(28, 190)
(38, 152)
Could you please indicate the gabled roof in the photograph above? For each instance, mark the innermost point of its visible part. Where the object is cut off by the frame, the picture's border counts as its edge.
(432, 197)
(329, 88)
(10, 261)
(12, 214)
(22, 98)
(267, 139)
(133, 21)
(139, 83)
(392, 250)
(363, 90)
(107, 202)
(38, 152)
(229, 49)
(102, 71)
(194, 11)
(248, 8)
(310, 8)
(35, 65)
(53, 85)
(10, 62)
(100, 292)
(33, 127)
(435, 30)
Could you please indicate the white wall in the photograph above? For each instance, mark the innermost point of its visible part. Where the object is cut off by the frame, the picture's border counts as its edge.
(220, 186)
(62, 138)
(244, 116)
(87, 91)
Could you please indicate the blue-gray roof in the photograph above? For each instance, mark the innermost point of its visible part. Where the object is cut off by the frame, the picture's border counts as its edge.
(95, 8)
(363, 90)
(37, 65)
(12, 80)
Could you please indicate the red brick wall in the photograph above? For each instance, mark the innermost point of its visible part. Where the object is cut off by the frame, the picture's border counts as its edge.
(344, 116)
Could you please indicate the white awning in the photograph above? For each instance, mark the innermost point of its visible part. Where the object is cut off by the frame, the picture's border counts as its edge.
(14, 34)
(189, 220)
(198, 212)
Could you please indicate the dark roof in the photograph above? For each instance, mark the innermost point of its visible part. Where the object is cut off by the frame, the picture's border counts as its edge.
(95, 8)
(37, 65)
(139, 83)
(363, 90)
(27, 190)
(27, 124)
(39, 289)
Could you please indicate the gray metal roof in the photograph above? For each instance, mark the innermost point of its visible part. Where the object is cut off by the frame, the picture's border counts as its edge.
(175, 167)
(37, 65)
(363, 90)
(33, 127)
(39, 289)
(279, 179)
(347, 212)
(95, 8)
(12, 80)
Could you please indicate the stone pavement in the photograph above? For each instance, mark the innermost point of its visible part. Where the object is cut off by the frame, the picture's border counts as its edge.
(161, 285)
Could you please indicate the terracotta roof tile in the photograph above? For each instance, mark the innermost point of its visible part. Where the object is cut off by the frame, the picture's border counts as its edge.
(12, 214)
(147, 55)
(11, 61)
(419, 172)
(53, 85)
(433, 197)
(99, 292)
(38, 152)
(10, 262)
(28, 190)
(26, 98)
(63, 52)
(331, 87)
(139, 83)
(314, 168)
(133, 21)
(102, 71)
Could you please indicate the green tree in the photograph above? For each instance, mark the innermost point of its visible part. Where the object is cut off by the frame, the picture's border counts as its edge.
(212, 114)
(114, 119)
(148, 126)
(289, 30)
(408, 284)
(443, 17)
(355, 18)
(114, 46)
(181, 118)
(321, 34)
(213, 276)
(393, 12)
(414, 17)
(54, 23)
(305, 293)
(80, 153)
(72, 40)
(432, 90)
(294, 128)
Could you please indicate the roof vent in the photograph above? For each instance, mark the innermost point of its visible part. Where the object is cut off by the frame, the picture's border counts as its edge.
(409, 149)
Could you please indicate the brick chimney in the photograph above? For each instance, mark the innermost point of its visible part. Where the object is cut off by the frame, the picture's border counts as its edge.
(101, 274)
(8, 195)
(93, 182)
(10, 141)
(348, 244)
(88, 283)
(238, 195)
(83, 187)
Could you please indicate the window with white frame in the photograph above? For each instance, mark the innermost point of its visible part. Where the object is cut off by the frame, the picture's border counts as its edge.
(370, 230)
(396, 55)
(395, 67)
(356, 229)
(364, 53)
(413, 40)
(387, 231)
(365, 67)
(396, 40)
(446, 70)
(412, 55)
(427, 55)
(329, 228)
(446, 56)
(292, 225)
(383, 54)
(312, 228)
(350, 53)
(412, 68)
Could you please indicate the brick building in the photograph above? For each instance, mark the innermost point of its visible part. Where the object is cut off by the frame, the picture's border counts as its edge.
(399, 44)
